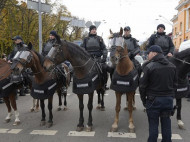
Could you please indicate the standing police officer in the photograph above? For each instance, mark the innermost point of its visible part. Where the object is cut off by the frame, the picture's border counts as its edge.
(158, 84)
(95, 46)
(161, 39)
(132, 46)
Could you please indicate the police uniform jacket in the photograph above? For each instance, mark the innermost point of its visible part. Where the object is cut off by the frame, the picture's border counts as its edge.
(164, 41)
(158, 78)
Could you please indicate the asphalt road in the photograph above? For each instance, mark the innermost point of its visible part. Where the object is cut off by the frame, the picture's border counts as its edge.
(65, 122)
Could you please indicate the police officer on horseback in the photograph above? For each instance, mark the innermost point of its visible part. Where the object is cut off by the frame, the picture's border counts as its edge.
(161, 39)
(95, 46)
(158, 84)
(45, 50)
(19, 45)
(132, 45)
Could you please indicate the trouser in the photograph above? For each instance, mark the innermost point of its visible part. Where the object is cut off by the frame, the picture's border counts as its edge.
(159, 108)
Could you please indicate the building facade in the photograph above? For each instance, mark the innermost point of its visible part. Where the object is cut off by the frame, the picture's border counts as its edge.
(181, 23)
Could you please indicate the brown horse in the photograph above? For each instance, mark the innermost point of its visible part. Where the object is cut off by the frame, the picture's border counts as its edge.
(87, 75)
(31, 59)
(120, 83)
(8, 91)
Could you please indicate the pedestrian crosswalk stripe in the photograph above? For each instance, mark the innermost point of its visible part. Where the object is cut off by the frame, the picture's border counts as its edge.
(174, 137)
(3, 130)
(121, 135)
(83, 133)
(14, 131)
(137, 94)
(43, 132)
(10, 131)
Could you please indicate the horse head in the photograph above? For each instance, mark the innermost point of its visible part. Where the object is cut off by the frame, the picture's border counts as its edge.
(118, 46)
(56, 55)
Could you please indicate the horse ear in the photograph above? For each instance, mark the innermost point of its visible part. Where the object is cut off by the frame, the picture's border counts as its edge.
(58, 39)
(121, 31)
(111, 31)
(30, 46)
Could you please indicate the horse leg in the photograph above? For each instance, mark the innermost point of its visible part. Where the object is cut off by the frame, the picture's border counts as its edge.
(133, 103)
(130, 109)
(90, 107)
(43, 120)
(102, 100)
(37, 105)
(7, 102)
(126, 108)
(60, 99)
(65, 101)
(179, 121)
(99, 99)
(14, 106)
(80, 126)
(117, 109)
(50, 106)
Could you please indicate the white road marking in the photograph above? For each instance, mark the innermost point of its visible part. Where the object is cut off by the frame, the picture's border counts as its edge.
(174, 137)
(43, 132)
(10, 131)
(106, 94)
(83, 134)
(3, 130)
(121, 135)
(137, 94)
(14, 131)
(68, 94)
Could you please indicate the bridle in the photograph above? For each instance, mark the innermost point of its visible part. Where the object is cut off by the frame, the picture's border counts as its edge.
(183, 61)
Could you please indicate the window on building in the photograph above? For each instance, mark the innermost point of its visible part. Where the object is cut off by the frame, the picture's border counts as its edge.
(180, 26)
(186, 37)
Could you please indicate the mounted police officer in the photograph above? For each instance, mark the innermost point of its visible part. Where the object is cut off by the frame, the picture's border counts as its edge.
(19, 45)
(46, 48)
(132, 47)
(158, 84)
(95, 46)
(161, 39)
(49, 44)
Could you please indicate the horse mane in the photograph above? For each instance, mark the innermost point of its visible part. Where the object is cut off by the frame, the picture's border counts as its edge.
(183, 54)
(77, 50)
(41, 58)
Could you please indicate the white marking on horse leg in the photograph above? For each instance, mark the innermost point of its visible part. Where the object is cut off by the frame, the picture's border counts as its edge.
(9, 116)
(17, 116)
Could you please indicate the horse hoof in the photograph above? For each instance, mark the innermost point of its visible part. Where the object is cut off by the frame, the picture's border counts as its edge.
(113, 129)
(79, 129)
(144, 110)
(134, 108)
(36, 110)
(88, 128)
(131, 130)
(180, 124)
(50, 124)
(98, 107)
(125, 108)
(16, 123)
(59, 109)
(102, 108)
(31, 110)
(7, 120)
(65, 108)
(42, 123)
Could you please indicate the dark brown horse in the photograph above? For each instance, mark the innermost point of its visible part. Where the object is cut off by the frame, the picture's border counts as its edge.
(8, 91)
(87, 75)
(124, 79)
(31, 59)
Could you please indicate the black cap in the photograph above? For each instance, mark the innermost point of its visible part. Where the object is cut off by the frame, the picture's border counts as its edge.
(53, 33)
(127, 28)
(161, 25)
(154, 48)
(16, 37)
(92, 27)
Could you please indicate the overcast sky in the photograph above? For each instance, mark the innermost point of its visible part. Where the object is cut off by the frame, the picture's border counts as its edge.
(140, 15)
